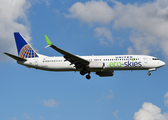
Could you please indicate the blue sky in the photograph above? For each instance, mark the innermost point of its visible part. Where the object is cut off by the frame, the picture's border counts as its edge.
(84, 28)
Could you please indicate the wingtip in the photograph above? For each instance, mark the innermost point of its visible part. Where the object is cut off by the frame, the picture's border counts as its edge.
(48, 41)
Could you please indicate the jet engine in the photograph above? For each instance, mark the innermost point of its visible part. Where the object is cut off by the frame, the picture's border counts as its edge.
(105, 73)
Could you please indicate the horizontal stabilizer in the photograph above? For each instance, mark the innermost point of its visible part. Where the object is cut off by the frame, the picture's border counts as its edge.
(15, 57)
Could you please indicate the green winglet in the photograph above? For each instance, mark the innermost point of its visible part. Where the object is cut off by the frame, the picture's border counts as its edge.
(133, 59)
(48, 41)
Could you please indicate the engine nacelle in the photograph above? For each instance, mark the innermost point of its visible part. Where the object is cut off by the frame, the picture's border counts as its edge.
(97, 65)
(105, 73)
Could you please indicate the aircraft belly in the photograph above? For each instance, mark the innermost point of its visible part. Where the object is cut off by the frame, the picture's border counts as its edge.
(57, 67)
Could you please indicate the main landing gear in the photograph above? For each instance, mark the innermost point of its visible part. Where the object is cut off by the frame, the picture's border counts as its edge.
(84, 72)
(88, 76)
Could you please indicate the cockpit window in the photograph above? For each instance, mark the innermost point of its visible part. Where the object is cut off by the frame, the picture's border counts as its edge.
(155, 59)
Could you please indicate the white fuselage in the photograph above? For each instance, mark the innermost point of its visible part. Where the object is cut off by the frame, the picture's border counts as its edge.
(97, 63)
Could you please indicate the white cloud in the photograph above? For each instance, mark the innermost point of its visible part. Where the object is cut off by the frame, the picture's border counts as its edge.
(110, 96)
(103, 33)
(47, 3)
(41, 118)
(166, 95)
(13, 118)
(150, 112)
(13, 18)
(149, 19)
(130, 51)
(27, 117)
(147, 22)
(62, 1)
(106, 97)
(50, 103)
(166, 99)
(115, 114)
(92, 11)
(142, 43)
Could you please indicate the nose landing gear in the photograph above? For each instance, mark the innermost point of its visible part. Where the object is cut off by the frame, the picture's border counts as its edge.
(149, 73)
(152, 69)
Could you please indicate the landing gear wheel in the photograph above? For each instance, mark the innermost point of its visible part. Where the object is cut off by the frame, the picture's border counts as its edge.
(149, 73)
(88, 77)
(82, 73)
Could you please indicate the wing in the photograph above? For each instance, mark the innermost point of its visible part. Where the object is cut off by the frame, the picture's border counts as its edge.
(73, 59)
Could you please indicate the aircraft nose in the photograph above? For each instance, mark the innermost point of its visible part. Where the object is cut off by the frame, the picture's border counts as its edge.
(162, 63)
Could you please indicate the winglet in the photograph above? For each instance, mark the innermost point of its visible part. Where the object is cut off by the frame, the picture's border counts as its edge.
(48, 41)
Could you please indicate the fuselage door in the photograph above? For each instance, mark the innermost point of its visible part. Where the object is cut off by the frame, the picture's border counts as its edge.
(145, 60)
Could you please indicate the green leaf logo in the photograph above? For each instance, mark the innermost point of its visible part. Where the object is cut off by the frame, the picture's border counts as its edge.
(133, 59)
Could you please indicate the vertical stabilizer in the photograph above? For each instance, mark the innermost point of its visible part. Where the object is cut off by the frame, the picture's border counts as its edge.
(23, 48)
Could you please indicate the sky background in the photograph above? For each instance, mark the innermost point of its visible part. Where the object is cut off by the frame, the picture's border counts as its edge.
(83, 27)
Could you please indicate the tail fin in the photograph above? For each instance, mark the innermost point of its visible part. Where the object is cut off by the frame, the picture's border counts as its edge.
(24, 49)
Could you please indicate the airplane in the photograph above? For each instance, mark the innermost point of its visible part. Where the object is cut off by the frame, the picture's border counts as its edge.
(104, 66)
